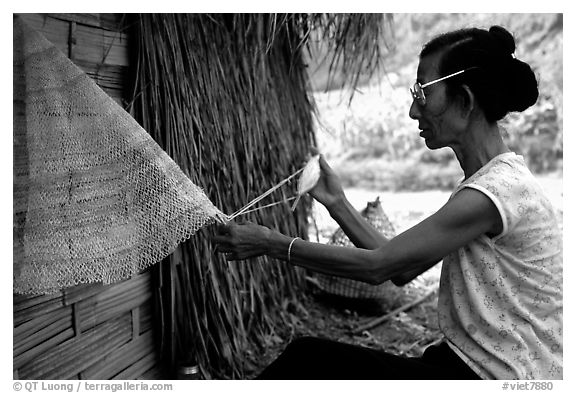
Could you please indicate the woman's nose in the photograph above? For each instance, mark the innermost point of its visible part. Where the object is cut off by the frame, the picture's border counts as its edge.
(414, 111)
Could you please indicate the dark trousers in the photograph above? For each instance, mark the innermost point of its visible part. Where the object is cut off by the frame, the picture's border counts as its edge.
(314, 358)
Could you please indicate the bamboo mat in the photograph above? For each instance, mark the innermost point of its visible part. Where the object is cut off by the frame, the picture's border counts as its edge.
(86, 332)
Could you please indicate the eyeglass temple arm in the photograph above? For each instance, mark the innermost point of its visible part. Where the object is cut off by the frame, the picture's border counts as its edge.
(444, 77)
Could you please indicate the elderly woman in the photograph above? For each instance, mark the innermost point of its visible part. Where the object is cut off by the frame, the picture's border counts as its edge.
(500, 298)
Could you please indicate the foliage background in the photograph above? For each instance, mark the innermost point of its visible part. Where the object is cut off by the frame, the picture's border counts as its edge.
(372, 143)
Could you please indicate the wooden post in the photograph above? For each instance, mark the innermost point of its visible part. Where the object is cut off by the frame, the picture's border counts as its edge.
(71, 40)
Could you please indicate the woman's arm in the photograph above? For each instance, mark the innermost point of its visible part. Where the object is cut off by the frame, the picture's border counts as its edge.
(405, 277)
(466, 216)
(329, 192)
(364, 235)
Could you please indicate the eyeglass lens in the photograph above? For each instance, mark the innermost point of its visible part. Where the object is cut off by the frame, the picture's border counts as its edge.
(418, 93)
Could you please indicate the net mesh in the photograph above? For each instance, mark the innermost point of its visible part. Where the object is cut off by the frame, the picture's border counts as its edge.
(95, 198)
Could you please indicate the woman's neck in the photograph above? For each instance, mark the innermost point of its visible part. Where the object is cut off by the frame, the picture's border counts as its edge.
(480, 145)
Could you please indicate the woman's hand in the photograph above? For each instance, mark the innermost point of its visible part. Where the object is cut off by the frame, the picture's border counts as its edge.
(328, 190)
(242, 241)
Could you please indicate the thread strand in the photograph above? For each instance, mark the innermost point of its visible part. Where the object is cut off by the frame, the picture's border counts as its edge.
(264, 195)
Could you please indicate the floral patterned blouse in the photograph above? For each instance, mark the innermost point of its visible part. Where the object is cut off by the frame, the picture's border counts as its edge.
(500, 300)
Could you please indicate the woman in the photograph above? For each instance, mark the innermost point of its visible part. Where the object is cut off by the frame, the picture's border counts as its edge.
(500, 298)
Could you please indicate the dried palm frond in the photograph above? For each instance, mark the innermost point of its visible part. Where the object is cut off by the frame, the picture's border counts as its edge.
(354, 45)
(226, 97)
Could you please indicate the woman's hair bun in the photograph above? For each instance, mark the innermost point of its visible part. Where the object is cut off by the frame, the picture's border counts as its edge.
(520, 76)
(504, 39)
(524, 92)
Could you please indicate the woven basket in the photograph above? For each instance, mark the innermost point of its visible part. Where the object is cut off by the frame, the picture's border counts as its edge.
(333, 285)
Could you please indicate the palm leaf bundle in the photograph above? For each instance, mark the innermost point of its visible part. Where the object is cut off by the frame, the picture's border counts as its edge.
(351, 46)
(226, 97)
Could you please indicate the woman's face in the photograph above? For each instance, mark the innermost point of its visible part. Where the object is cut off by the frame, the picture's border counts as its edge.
(437, 118)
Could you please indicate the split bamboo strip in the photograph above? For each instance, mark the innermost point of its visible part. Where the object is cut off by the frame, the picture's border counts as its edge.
(111, 78)
(152, 374)
(22, 302)
(104, 314)
(78, 353)
(147, 315)
(108, 366)
(90, 354)
(42, 335)
(37, 310)
(26, 329)
(135, 314)
(81, 292)
(139, 367)
(118, 288)
(101, 53)
(95, 313)
(27, 358)
(137, 280)
(131, 288)
(109, 21)
(56, 31)
(101, 47)
(109, 293)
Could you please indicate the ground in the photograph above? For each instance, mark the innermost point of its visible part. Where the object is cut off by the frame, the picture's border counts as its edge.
(336, 318)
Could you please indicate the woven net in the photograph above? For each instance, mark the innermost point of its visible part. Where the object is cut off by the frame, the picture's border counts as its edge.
(333, 285)
(95, 198)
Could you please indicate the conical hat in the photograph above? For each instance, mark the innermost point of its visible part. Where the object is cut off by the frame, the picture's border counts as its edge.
(95, 198)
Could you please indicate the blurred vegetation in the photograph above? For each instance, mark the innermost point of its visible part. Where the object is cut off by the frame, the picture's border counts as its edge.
(370, 140)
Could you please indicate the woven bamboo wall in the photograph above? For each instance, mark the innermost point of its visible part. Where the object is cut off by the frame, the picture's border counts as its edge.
(86, 332)
(89, 331)
(96, 43)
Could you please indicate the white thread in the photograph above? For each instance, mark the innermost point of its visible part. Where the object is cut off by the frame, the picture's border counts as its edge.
(290, 247)
(264, 195)
(269, 205)
(308, 179)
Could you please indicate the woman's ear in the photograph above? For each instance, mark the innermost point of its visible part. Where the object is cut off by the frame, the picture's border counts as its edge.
(468, 102)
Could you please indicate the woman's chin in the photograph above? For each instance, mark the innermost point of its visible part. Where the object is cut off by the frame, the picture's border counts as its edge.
(431, 144)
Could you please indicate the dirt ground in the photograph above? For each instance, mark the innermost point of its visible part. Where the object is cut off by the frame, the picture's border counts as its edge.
(341, 319)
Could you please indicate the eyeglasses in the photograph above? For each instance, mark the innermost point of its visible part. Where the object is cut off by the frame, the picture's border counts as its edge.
(417, 90)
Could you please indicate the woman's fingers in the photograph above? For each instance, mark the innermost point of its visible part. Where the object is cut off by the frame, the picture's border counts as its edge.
(225, 233)
(224, 229)
(322, 161)
(324, 165)
(223, 246)
(223, 238)
(238, 241)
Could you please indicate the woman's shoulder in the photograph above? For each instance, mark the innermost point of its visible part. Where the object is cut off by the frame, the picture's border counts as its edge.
(507, 180)
(507, 170)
